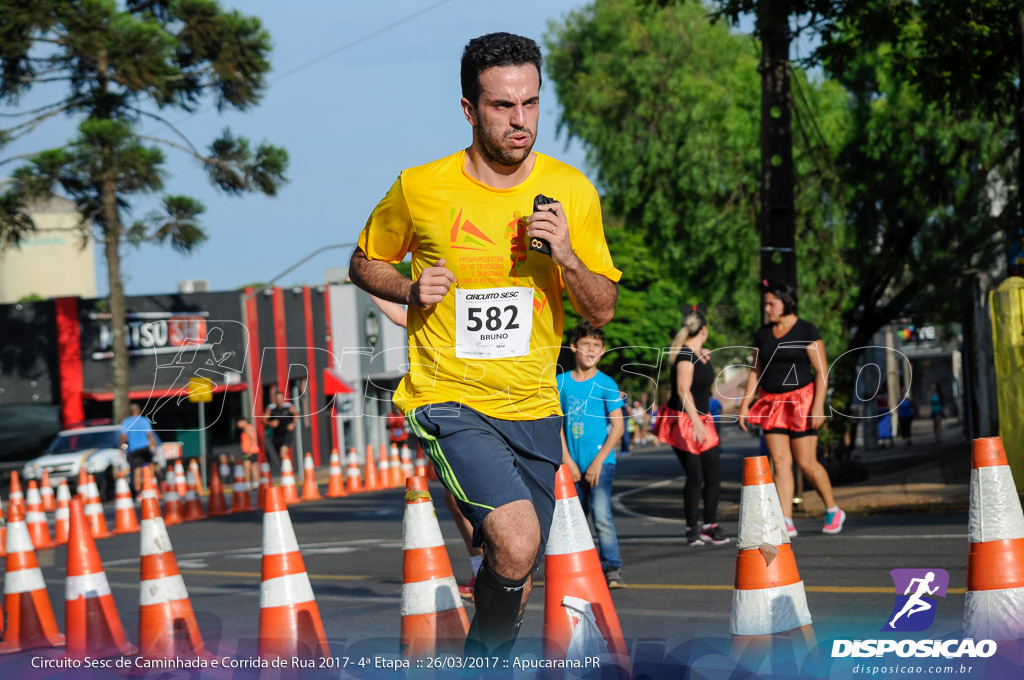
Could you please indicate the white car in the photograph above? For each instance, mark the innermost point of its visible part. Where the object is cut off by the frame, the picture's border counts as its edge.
(97, 448)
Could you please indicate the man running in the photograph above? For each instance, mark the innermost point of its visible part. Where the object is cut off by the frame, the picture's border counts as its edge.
(485, 314)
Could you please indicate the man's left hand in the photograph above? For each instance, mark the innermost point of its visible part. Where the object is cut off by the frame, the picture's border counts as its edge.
(549, 223)
(593, 475)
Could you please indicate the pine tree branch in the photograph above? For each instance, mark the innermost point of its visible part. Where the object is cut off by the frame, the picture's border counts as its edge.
(190, 150)
(33, 154)
(31, 112)
(173, 129)
(28, 126)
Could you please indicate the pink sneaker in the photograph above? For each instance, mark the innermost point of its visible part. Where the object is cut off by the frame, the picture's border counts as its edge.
(834, 522)
(790, 527)
(466, 591)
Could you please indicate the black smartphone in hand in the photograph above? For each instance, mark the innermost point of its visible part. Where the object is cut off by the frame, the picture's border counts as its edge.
(539, 244)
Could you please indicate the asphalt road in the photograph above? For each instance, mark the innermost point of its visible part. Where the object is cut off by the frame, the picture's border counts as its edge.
(352, 549)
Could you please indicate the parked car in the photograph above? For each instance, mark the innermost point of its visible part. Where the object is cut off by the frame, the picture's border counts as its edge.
(97, 448)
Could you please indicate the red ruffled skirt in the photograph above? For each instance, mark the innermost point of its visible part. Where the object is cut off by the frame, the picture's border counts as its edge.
(783, 410)
(676, 429)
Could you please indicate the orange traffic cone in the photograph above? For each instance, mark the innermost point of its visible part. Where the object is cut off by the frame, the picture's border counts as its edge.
(240, 501)
(90, 616)
(288, 490)
(995, 562)
(46, 492)
(125, 519)
(335, 482)
(371, 470)
(216, 505)
(407, 467)
(354, 478)
(94, 510)
(83, 480)
(383, 469)
(35, 518)
(193, 468)
(265, 483)
(62, 515)
(193, 509)
(149, 487)
(395, 463)
(3, 546)
(310, 490)
(433, 618)
(421, 463)
(768, 603)
(290, 624)
(172, 500)
(15, 498)
(167, 624)
(574, 583)
(181, 483)
(30, 620)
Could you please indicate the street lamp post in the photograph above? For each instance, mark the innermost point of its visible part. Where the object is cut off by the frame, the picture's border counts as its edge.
(307, 258)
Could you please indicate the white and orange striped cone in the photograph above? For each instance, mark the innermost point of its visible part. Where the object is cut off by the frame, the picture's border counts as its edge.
(172, 501)
(193, 468)
(193, 508)
(353, 477)
(15, 497)
(288, 489)
(90, 616)
(46, 492)
(574, 582)
(384, 480)
(241, 501)
(433, 618)
(408, 470)
(35, 518)
(370, 482)
(335, 480)
(3, 545)
(181, 482)
(290, 624)
(265, 483)
(216, 504)
(995, 562)
(395, 463)
(421, 463)
(83, 480)
(30, 620)
(310, 490)
(62, 515)
(768, 601)
(150, 488)
(125, 519)
(94, 510)
(167, 624)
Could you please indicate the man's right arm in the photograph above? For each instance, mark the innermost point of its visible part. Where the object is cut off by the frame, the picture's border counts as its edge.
(380, 278)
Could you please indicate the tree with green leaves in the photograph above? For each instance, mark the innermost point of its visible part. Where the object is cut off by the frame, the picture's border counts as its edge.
(120, 65)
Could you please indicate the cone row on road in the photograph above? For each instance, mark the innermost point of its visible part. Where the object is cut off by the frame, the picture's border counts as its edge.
(397, 478)
(384, 469)
(15, 497)
(265, 482)
(408, 469)
(46, 492)
(172, 501)
(995, 561)
(310, 490)
(290, 623)
(433, 618)
(193, 509)
(94, 509)
(180, 481)
(370, 478)
(289, 492)
(354, 480)
(216, 505)
(241, 501)
(30, 619)
(90, 616)
(62, 515)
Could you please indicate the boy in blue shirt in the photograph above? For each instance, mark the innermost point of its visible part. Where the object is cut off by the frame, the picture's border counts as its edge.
(592, 428)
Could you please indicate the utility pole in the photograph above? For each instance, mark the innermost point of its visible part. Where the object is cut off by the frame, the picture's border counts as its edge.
(777, 219)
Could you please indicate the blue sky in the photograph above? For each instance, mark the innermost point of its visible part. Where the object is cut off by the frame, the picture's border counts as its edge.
(350, 123)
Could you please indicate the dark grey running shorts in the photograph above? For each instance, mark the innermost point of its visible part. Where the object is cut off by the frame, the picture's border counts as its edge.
(487, 462)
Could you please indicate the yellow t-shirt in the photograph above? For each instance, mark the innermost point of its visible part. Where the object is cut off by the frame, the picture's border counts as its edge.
(437, 211)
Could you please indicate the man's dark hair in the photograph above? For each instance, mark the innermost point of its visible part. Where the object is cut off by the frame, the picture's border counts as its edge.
(585, 330)
(495, 49)
(782, 290)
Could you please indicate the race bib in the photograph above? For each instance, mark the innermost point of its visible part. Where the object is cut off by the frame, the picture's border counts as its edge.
(493, 323)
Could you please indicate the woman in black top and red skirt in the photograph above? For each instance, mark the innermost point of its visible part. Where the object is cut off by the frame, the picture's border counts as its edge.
(790, 371)
(685, 424)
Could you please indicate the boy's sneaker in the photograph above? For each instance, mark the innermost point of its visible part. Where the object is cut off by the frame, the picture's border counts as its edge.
(466, 591)
(790, 527)
(712, 533)
(834, 522)
(614, 578)
(693, 537)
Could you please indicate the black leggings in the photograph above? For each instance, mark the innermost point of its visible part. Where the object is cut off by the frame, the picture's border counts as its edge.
(705, 467)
